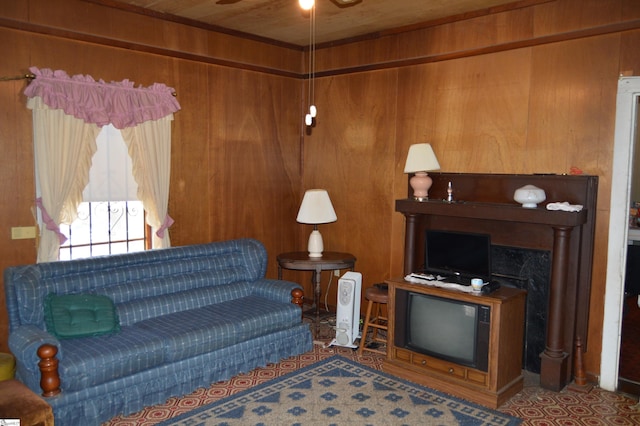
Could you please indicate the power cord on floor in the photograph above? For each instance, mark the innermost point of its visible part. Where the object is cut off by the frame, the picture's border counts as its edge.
(326, 294)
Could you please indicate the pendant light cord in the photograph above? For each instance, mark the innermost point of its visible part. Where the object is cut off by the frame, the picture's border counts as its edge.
(313, 55)
(311, 113)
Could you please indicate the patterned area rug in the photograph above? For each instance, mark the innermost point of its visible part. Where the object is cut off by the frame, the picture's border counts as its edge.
(339, 391)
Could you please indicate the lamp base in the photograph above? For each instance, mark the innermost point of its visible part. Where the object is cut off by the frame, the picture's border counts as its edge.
(421, 183)
(315, 245)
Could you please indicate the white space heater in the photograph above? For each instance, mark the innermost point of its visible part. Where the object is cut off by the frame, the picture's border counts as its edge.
(348, 310)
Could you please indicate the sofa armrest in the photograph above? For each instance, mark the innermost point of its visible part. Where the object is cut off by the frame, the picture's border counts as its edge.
(277, 290)
(24, 342)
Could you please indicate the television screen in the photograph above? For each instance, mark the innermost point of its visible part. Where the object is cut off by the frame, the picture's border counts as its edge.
(458, 255)
(444, 328)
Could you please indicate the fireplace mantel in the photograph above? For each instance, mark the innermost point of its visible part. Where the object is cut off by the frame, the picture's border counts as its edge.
(493, 211)
(484, 203)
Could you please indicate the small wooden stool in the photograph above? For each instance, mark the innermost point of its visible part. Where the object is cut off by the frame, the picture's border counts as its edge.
(376, 297)
(18, 402)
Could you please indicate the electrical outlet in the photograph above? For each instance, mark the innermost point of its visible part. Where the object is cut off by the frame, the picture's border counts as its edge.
(336, 273)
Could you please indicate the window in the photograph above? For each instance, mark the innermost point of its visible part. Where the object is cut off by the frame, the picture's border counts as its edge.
(103, 228)
(110, 219)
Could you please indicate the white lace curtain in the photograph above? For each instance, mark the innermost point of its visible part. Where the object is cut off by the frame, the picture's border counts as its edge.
(68, 113)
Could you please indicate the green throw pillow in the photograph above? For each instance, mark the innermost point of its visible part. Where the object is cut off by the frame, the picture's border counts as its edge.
(80, 315)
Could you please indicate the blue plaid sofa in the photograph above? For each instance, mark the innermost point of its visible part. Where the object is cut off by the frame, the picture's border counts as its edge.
(187, 317)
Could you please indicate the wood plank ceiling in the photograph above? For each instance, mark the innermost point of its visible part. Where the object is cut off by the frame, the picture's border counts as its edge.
(285, 22)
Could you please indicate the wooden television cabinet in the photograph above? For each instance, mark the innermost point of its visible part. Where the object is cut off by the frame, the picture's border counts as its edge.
(503, 378)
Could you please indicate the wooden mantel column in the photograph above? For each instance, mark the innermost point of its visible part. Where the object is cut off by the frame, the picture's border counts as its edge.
(411, 223)
(553, 369)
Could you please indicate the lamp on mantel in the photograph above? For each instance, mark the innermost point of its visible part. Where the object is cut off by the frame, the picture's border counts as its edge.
(420, 160)
(316, 208)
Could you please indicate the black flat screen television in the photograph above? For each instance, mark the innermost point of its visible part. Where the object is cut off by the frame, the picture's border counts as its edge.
(459, 256)
(447, 329)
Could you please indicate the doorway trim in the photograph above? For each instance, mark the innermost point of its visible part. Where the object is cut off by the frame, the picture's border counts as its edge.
(625, 128)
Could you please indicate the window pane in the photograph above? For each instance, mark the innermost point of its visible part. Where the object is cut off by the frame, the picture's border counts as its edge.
(118, 219)
(137, 245)
(65, 253)
(99, 222)
(135, 220)
(81, 228)
(119, 248)
(81, 252)
(111, 175)
(98, 250)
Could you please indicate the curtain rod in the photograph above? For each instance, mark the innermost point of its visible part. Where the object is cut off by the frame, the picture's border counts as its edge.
(28, 76)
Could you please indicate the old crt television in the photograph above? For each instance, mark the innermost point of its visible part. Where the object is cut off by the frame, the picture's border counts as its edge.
(447, 329)
(458, 256)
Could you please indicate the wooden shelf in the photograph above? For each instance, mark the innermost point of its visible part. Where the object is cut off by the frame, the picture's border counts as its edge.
(493, 211)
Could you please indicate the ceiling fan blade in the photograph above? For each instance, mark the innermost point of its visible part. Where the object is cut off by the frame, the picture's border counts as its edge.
(228, 1)
(345, 3)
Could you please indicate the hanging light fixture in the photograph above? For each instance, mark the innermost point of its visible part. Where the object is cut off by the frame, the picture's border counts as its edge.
(310, 5)
(306, 4)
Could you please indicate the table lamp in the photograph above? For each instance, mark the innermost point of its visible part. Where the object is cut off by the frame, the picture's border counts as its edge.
(316, 208)
(420, 160)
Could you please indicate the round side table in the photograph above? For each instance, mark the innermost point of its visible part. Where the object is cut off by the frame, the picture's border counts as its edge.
(330, 261)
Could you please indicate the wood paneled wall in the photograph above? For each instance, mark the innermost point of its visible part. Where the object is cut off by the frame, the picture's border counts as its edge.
(236, 142)
(530, 90)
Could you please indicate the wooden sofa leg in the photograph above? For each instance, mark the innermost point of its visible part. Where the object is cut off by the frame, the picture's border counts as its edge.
(49, 377)
(297, 298)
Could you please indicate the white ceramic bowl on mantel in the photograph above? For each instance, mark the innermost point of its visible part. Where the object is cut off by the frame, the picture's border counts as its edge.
(529, 196)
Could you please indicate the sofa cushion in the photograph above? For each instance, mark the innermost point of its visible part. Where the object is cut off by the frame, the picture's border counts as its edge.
(192, 332)
(255, 316)
(155, 306)
(80, 315)
(91, 361)
(196, 331)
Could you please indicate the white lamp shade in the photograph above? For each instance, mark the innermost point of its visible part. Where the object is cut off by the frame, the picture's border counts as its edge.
(421, 158)
(316, 208)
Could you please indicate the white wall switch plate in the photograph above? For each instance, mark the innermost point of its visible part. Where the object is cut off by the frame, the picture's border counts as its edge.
(23, 232)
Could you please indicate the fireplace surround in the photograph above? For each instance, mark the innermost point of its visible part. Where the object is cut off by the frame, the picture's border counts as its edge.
(529, 270)
(484, 203)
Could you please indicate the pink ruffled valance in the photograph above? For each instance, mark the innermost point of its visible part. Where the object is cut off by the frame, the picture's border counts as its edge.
(118, 103)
